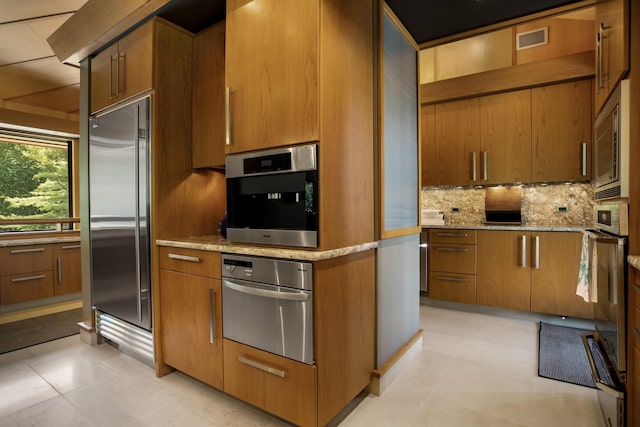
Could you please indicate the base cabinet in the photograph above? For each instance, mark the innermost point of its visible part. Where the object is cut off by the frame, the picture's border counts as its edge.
(67, 273)
(278, 385)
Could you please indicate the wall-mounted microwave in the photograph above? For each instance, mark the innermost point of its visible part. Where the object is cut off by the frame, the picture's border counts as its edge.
(611, 164)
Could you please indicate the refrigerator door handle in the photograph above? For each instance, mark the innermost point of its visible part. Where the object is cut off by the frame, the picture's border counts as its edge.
(137, 220)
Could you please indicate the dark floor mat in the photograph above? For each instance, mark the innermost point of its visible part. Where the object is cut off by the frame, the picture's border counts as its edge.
(28, 332)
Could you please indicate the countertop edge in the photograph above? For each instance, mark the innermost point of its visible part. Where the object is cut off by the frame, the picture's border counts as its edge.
(634, 261)
(38, 241)
(220, 245)
(508, 227)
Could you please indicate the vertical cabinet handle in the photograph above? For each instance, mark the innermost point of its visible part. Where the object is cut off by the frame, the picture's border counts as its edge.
(599, 57)
(59, 270)
(111, 61)
(524, 251)
(212, 316)
(584, 159)
(474, 167)
(227, 115)
(537, 253)
(118, 90)
(485, 165)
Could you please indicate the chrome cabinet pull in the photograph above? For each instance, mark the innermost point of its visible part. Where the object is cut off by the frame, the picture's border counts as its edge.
(451, 279)
(184, 257)
(111, 61)
(524, 251)
(24, 251)
(537, 252)
(120, 55)
(278, 372)
(452, 249)
(227, 117)
(474, 167)
(24, 279)
(485, 167)
(584, 159)
(452, 234)
(59, 270)
(70, 247)
(212, 316)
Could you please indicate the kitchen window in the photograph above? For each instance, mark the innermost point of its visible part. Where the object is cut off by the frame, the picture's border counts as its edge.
(35, 180)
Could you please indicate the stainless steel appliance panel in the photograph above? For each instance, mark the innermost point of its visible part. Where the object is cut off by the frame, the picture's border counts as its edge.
(119, 213)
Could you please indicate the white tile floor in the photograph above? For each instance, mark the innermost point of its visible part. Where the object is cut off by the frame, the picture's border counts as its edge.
(476, 369)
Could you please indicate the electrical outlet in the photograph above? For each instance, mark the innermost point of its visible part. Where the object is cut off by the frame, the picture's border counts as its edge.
(562, 209)
(455, 210)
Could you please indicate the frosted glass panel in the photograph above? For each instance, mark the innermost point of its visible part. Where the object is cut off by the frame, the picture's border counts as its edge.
(400, 129)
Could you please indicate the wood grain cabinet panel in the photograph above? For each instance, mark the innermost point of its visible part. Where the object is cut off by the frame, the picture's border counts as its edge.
(123, 69)
(428, 145)
(26, 287)
(67, 268)
(281, 386)
(191, 261)
(561, 125)
(612, 47)
(505, 121)
(453, 287)
(453, 258)
(555, 257)
(191, 315)
(454, 236)
(25, 259)
(503, 270)
(208, 100)
(457, 142)
(272, 73)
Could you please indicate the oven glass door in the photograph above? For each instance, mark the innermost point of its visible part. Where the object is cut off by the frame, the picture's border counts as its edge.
(272, 318)
(607, 156)
(286, 201)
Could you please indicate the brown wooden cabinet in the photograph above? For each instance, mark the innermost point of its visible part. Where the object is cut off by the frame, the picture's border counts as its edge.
(26, 273)
(123, 69)
(505, 136)
(612, 47)
(457, 134)
(208, 113)
(561, 132)
(67, 274)
(272, 73)
(503, 269)
(428, 145)
(555, 257)
(191, 313)
(452, 265)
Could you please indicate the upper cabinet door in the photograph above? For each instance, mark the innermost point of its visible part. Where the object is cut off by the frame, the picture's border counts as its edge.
(561, 132)
(612, 47)
(103, 78)
(428, 145)
(458, 142)
(505, 121)
(272, 69)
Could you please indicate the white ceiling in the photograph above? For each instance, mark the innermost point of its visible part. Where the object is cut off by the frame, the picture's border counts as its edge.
(29, 72)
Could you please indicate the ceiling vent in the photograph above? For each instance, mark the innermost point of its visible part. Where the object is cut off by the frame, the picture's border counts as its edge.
(533, 38)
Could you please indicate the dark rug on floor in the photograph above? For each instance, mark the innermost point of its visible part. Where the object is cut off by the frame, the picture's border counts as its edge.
(561, 355)
(38, 330)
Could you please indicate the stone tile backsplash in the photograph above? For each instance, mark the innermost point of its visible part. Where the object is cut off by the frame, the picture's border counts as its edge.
(540, 203)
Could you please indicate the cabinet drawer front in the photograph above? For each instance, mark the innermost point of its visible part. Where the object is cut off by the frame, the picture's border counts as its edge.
(453, 236)
(281, 386)
(24, 259)
(26, 287)
(452, 258)
(191, 261)
(453, 287)
(63, 248)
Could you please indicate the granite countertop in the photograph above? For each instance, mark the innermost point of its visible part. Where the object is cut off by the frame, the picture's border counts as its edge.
(508, 227)
(39, 241)
(634, 261)
(219, 244)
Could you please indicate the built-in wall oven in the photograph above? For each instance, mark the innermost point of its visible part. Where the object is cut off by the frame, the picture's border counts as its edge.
(272, 196)
(268, 304)
(606, 348)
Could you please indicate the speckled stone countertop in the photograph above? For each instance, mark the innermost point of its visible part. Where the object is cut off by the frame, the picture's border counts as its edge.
(219, 244)
(39, 241)
(528, 227)
(634, 261)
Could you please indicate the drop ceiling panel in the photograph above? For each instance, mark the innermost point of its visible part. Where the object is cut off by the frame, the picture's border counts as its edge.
(31, 77)
(26, 40)
(66, 99)
(18, 10)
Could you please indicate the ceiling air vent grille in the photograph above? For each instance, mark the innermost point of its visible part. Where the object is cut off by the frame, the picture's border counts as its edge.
(533, 38)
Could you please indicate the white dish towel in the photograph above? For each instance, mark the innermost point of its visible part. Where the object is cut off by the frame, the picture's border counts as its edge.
(587, 279)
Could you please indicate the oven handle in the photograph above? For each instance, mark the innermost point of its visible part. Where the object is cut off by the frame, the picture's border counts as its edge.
(265, 293)
(599, 384)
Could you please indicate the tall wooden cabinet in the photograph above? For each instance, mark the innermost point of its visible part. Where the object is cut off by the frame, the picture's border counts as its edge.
(272, 73)
(612, 47)
(67, 274)
(123, 69)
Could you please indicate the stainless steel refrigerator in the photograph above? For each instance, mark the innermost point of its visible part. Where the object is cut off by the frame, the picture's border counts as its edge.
(119, 170)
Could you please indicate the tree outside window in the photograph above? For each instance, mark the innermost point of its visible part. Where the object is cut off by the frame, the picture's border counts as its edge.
(35, 178)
